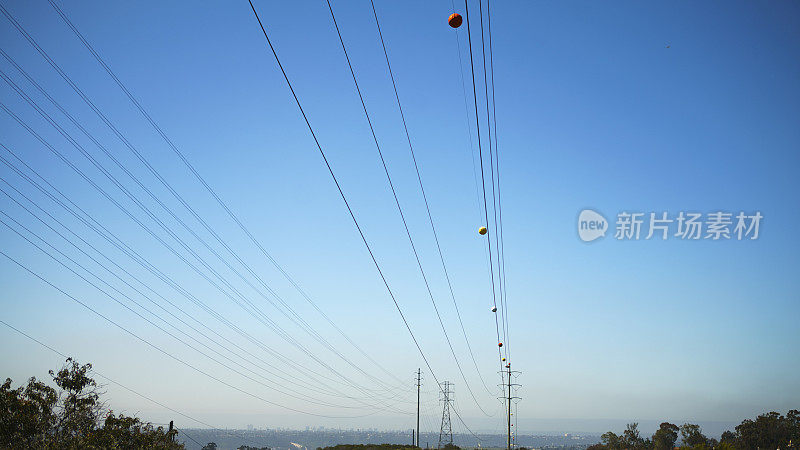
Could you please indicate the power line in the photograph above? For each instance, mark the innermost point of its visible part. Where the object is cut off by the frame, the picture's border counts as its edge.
(128, 251)
(160, 350)
(126, 283)
(491, 172)
(295, 318)
(60, 262)
(424, 196)
(495, 183)
(483, 180)
(112, 381)
(283, 309)
(190, 438)
(256, 312)
(233, 216)
(502, 263)
(399, 208)
(344, 198)
(95, 372)
(338, 186)
(152, 301)
(473, 150)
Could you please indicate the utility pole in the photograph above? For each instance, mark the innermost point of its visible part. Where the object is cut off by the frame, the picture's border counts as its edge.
(419, 379)
(508, 387)
(446, 430)
(516, 430)
(509, 405)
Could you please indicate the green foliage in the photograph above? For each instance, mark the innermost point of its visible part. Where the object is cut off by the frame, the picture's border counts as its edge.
(39, 416)
(665, 437)
(630, 439)
(27, 419)
(692, 436)
(768, 431)
(79, 406)
(611, 440)
(725, 446)
(130, 432)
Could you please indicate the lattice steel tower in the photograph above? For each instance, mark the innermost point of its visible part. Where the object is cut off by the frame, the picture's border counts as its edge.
(446, 431)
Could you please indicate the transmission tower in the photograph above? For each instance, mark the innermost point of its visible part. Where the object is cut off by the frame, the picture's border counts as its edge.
(446, 431)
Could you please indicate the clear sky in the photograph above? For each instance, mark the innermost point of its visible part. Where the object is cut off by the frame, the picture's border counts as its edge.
(638, 107)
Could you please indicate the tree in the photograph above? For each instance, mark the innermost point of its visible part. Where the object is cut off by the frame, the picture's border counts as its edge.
(39, 416)
(80, 407)
(210, 446)
(631, 437)
(793, 422)
(767, 431)
(611, 440)
(130, 432)
(692, 435)
(27, 419)
(665, 437)
(770, 430)
(728, 437)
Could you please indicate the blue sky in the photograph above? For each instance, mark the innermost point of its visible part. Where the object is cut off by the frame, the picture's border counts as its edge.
(631, 107)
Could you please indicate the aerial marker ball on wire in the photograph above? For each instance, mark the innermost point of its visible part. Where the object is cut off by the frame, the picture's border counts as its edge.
(500, 344)
(454, 20)
(482, 231)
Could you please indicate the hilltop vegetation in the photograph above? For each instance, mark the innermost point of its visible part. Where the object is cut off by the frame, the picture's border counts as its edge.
(373, 447)
(72, 416)
(767, 431)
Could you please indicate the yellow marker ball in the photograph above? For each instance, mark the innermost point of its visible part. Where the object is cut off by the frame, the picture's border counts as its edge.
(482, 230)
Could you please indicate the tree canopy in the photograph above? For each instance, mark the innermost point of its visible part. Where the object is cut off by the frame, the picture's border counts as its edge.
(767, 431)
(71, 415)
